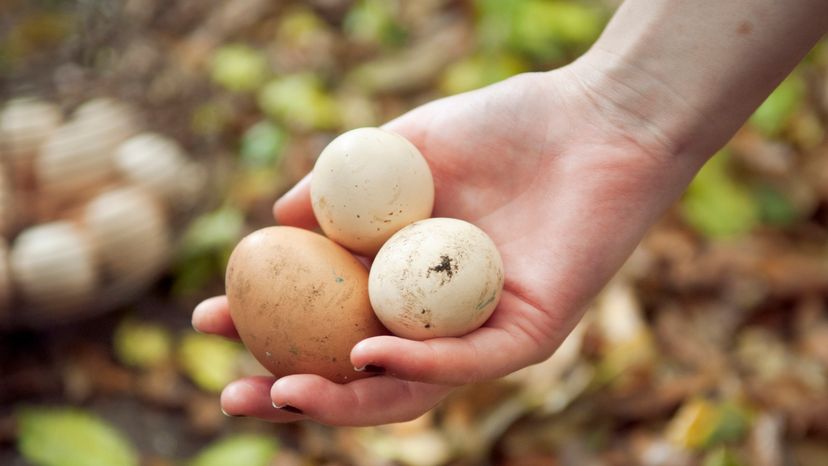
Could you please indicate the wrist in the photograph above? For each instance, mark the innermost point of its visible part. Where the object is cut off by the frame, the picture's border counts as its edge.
(660, 120)
(690, 73)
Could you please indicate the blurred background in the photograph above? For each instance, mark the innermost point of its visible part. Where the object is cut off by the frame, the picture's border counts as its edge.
(141, 139)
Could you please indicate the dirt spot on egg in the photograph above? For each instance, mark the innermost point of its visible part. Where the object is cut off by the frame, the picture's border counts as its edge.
(447, 267)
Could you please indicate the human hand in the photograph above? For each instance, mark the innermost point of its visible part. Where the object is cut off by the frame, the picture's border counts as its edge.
(565, 184)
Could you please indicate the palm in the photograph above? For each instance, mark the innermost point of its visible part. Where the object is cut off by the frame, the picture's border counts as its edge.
(565, 196)
(546, 189)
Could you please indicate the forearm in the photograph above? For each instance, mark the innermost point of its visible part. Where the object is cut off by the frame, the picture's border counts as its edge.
(690, 72)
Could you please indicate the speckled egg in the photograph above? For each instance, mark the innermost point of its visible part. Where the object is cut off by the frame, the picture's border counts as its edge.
(439, 277)
(300, 302)
(367, 184)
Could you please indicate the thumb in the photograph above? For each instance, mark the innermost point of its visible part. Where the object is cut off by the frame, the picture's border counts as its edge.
(294, 207)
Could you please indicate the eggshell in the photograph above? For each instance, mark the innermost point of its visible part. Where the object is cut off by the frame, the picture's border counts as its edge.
(154, 162)
(74, 158)
(129, 232)
(366, 185)
(115, 121)
(439, 277)
(25, 124)
(300, 302)
(78, 154)
(52, 267)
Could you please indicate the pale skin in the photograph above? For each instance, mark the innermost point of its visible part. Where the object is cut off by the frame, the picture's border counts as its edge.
(566, 170)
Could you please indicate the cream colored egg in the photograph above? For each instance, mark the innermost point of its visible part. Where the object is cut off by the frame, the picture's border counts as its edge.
(154, 162)
(114, 120)
(52, 267)
(25, 124)
(439, 277)
(367, 184)
(129, 233)
(75, 158)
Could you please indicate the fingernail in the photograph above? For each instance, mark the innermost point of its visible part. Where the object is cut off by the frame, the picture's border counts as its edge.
(371, 369)
(230, 415)
(196, 311)
(288, 408)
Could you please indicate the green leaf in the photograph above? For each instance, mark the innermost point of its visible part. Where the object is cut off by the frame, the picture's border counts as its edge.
(721, 457)
(717, 205)
(204, 247)
(238, 67)
(480, 70)
(212, 231)
(374, 21)
(731, 425)
(194, 273)
(495, 22)
(701, 424)
(209, 361)
(71, 437)
(543, 28)
(300, 101)
(245, 449)
(775, 208)
(299, 27)
(142, 344)
(262, 145)
(772, 116)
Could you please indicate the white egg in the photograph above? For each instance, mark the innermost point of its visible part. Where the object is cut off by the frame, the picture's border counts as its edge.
(78, 155)
(52, 267)
(367, 184)
(154, 162)
(115, 121)
(75, 158)
(25, 124)
(130, 234)
(439, 277)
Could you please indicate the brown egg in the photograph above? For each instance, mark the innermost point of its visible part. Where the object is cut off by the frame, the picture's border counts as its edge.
(300, 302)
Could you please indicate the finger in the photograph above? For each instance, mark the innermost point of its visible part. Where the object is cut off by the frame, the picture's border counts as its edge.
(250, 396)
(372, 401)
(487, 353)
(294, 207)
(213, 316)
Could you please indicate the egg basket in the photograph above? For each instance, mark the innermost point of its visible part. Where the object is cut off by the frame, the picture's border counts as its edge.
(97, 180)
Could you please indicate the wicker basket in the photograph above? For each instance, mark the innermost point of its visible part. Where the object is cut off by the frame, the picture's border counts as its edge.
(98, 170)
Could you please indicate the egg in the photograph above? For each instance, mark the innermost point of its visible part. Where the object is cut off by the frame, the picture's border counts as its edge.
(25, 123)
(73, 159)
(367, 184)
(129, 232)
(300, 302)
(77, 156)
(439, 277)
(114, 120)
(154, 162)
(52, 267)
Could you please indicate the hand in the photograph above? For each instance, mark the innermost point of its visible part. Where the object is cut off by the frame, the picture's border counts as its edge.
(563, 182)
